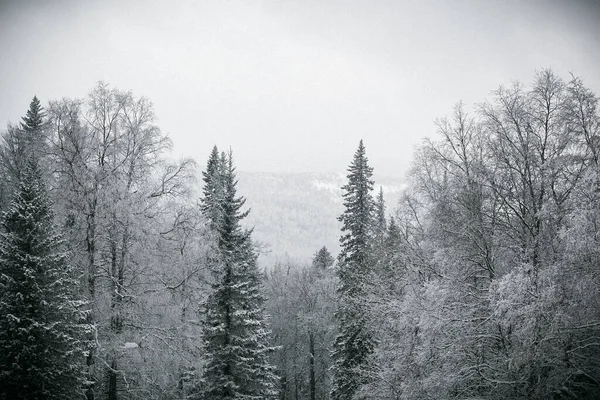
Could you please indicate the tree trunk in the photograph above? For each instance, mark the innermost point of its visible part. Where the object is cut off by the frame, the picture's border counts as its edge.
(112, 380)
(311, 373)
(91, 280)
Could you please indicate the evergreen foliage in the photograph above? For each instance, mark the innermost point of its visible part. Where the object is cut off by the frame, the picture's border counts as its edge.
(354, 344)
(380, 223)
(34, 119)
(323, 259)
(30, 138)
(20, 142)
(212, 192)
(484, 283)
(391, 268)
(235, 333)
(41, 326)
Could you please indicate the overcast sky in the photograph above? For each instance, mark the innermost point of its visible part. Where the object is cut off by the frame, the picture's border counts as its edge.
(293, 85)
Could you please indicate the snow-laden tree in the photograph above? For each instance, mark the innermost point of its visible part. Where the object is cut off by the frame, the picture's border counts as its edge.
(123, 207)
(323, 259)
(213, 189)
(499, 284)
(354, 344)
(301, 300)
(235, 335)
(19, 142)
(42, 327)
(379, 222)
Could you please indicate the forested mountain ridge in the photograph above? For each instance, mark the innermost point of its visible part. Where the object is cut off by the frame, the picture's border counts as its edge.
(482, 281)
(295, 214)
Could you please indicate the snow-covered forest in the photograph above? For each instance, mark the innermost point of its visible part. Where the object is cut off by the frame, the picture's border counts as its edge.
(126, 273)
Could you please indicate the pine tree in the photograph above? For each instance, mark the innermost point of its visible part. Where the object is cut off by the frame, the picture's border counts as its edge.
(380, 224)
(391, 271)
(212, 192)
(354, 344)
(20, 142)
(31, 139)
(378, 245)
(393, 238)
(322, 259)
(34, 119)
(235, 333)
(41, 326)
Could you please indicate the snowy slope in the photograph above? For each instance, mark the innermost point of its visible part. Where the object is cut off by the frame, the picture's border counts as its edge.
(295, 214)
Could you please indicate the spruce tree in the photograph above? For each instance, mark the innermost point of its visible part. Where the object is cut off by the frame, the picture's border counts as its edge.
(322, 259)
(20, 142)
(31, 135)
(378, 246)
(212, 192)
(41, 325)
(391, 268)
(235, 333)
(34, 119)
(354, 344)
(380, 223)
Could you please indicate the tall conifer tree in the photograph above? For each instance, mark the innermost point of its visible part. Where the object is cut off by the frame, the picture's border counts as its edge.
(354, 344)
(20, 142)
(235, 335)
(41, 326)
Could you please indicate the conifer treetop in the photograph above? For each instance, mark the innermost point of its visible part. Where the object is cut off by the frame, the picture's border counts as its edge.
(357, 219)
(322, 259)
(34, 118)
(236, 332)
(380, 220)
(213, 189)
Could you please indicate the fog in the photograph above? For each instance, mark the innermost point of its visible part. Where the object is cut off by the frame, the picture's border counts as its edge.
(292, 86)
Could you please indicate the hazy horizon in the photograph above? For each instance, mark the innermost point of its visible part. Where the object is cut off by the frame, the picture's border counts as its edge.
(292, 86)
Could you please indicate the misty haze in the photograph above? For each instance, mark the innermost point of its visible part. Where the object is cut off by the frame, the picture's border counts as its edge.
(299, 200)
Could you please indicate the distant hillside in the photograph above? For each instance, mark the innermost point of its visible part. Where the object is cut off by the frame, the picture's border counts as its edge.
(295, 214)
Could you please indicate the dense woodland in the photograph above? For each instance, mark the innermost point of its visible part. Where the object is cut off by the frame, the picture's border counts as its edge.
(120, 280)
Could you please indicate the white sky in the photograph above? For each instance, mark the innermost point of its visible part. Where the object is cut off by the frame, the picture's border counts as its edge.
(292, 85)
